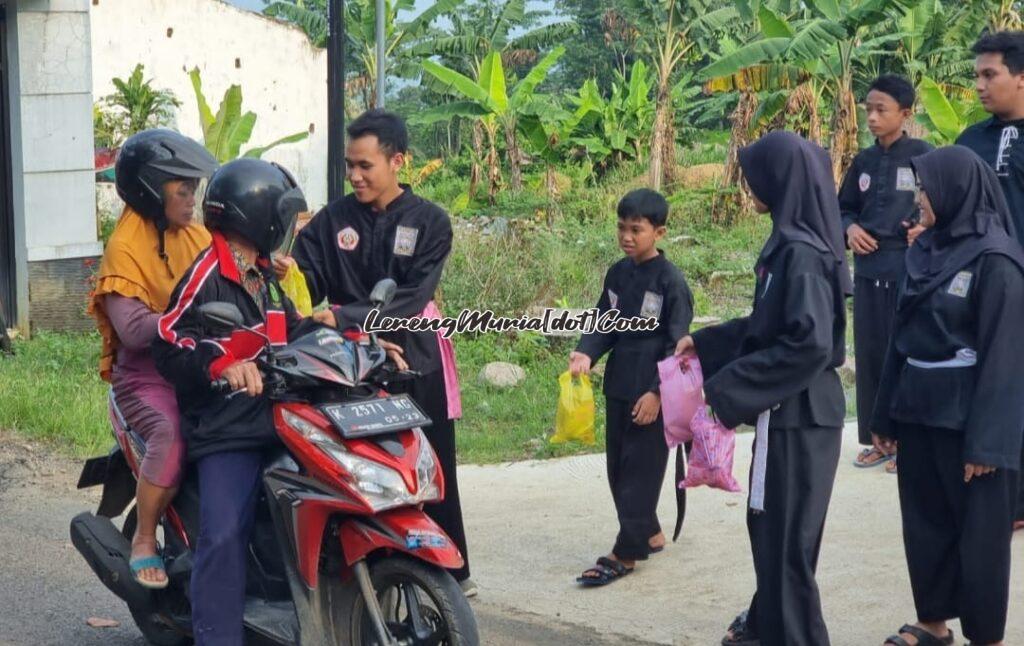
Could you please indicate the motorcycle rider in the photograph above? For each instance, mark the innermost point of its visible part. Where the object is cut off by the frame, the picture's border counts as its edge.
(249, 206)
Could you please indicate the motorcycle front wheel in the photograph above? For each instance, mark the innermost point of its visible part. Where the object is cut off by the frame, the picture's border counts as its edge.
(422, 605)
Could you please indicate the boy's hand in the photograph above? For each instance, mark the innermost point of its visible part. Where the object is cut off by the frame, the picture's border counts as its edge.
(325, 317)
(395, 353)
(913, 232)
(646, 409)
(244, 375)
(976, 470)
(685, 347)
(886, 445)
(860, 241)
(281, 265)
(579, 364)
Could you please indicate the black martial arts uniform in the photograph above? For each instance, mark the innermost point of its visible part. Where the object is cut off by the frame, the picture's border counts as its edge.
(637, 455)
(877, 194)
(1001, 145)
(954, 394)
(782, 358)
(343, 251)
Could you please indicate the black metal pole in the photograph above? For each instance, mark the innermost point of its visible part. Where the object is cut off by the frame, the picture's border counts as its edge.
(335, 99)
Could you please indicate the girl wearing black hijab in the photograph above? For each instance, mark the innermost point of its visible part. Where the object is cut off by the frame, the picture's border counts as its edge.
(776, 368)
(953, 397)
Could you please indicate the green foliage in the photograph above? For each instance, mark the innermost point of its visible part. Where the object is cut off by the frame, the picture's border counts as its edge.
(134, 106)
(946, 117)
(225, 132)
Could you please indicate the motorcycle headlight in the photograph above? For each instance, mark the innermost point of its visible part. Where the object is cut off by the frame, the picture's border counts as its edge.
(381, 486)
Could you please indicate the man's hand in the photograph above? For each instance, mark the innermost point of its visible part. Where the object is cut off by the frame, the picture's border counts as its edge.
(325, 317)
(913, 232)
(282, 264)
(976, 470)
(579, 364)
(646, 409)
(685, 347)
(886, 445)
(244, 375)
(860, 241)
(395, 353)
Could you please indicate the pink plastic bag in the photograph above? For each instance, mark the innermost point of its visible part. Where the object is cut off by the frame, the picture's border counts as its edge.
(448, 366)
(711, 455)
(681, 397)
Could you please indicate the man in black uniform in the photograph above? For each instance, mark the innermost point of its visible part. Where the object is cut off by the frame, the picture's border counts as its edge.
(877, 204)
(383, 230)
(999, 141)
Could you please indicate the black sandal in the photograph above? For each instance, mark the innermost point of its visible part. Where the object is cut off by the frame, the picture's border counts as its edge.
(741, 635)
(924, 638)
(607, 570)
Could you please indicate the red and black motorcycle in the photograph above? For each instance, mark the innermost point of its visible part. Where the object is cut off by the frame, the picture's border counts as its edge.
(341, 551)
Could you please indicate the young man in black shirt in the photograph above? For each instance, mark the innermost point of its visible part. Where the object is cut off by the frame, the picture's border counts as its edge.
(999, 141)
(877, 204)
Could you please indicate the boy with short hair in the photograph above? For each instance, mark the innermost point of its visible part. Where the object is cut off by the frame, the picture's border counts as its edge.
(877, 204)
(643, 284)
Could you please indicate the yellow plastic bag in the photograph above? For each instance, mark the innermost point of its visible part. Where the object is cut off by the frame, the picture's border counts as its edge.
(294, 285)
(575, 417)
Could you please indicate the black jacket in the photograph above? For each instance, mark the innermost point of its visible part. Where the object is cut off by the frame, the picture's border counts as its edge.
(1001, 145)
(655, 288)
(878, 194)
(347, 247)
(190, 358)
(980, 308)
(784, 355)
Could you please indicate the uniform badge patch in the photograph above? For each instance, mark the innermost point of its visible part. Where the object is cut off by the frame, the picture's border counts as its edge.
(960, 284)
(348, 239)
(651, 307)
(865, 182)
(405, 240)
(905, 180)
(613, 299)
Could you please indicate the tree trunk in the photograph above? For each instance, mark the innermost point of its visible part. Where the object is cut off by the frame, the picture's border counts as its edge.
(733, 200)
(493, 165)
(844, 130)
(514, 155)
(655, 170)
(477, 156)
(551, 184)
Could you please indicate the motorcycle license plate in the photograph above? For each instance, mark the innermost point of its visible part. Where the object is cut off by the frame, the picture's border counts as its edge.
(376, 416)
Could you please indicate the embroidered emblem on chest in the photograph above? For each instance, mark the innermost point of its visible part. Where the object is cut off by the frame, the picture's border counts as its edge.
(651, 306)
(865, 182)
(905, 180)
(348, 239)
(405, 241)
(960, 284)
(613, 300)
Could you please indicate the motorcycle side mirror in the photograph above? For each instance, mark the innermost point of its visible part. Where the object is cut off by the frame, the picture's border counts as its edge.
(221, 319)
(383, 292)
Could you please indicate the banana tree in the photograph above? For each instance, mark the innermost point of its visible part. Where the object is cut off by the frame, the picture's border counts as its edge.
(488, 101)
(226, 132)
(948, 110)
(825, 37)
(675, 27)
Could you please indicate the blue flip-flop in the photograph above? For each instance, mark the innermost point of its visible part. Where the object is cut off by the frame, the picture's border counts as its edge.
(155, 562)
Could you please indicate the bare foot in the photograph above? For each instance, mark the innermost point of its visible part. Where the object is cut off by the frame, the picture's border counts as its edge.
(144, 547)
(629, 564)
(938, 630)
(1018, 525)
(658, 540)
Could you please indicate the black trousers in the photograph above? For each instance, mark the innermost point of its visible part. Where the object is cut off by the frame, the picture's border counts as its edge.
(429, 392)
(874, 303)
(785, 538)
(956, 535)
(637, 457)
(1020, 494)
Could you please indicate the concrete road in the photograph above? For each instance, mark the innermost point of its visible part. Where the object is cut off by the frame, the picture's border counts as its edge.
(533, 526)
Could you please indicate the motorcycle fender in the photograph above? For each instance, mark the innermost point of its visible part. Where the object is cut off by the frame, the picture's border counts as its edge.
(118, 482)
(406, 530)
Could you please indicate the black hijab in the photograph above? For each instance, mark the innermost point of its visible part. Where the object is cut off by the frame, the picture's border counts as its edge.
(793, 177)
(972, 218)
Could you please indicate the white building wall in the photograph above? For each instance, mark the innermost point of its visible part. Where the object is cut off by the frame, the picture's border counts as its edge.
(51, 129)
(283, 77)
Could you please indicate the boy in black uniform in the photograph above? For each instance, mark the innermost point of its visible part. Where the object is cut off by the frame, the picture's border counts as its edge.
(643, 284)
(877, 204)
(383, 230)
(999, 141)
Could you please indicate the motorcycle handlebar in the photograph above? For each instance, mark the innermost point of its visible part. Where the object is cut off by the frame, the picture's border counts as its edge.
(220, 386)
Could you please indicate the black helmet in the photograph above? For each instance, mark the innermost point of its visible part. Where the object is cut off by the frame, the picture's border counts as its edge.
(254, 199)
(149, 159)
